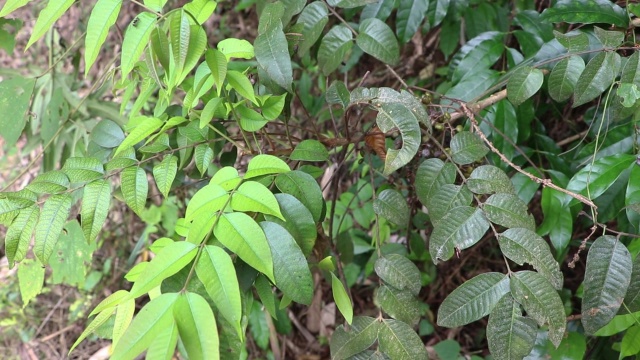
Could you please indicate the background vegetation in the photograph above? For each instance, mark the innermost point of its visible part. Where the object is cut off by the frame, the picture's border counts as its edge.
(344, 178)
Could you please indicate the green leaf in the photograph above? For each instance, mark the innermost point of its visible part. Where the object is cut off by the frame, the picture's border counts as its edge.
(437, 11)
(399, 272)
(71, 256)
(478, 53)
(593, 180)
(135, 40)
(376, 39)
(265, 293)
(488, 179)
(473, 300)
(242, 85)
(18, 235)
(265, 165)
(203, 157)
(95, 208)
(541, 302)
(197, 326)
(12, 5)
(629, 93)
(164, 173)
(347, 4)
(525, 246)
(305, 188)
(409, 18)
(206, 202)
(607, 277)
(103, 15)
(217, 63)
(227, 178)
(509, 211)
(523, 84)
(337, 93)
(242, 235)
(341, 298)
(362, 333)
(272, 54)
(180, 33)
(272, 106)
(124, 315)
(51, 182)
(152, 320)
(564, 77)
(310, 150)
(333, 48)
(201, 9)
(82, 169)
(250, 120)
(401, 305)
(574, 41)
(467, 147)
(609, 39)
(52, 219)
(297, 220)
(630, 344)
(215, 270)
(509, 334)
(313, 18)
(391, 205)
(449, 196)
(289, 264)
(15, 98)
(461, 228)
(47, 17)
(632, 298)
(253, 196)
(586, 12)
(155, 5)
(111, 301)
(171, 259)
(145, 127)
(597, 76)
(431, 175)
(409, 348)
(135, 188)
(107, 133)
(631, 70)
(96, 323)
(236, 48)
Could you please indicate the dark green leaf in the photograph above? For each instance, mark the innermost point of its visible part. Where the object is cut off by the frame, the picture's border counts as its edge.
(431, 175)
(333, 48)
(509, 211)
(409, 348)
(399, 304)
(348, 3)
(362, 333)
(447, 197)
(310, 150)
(305, 188)
(596, 77)
(409, 18)
(586, 12)
(564, 77)
(632, 298)
(593, 180)
(376, 39)
(391, 205)
(523, 84)
(488, 179)
(399, 272)
(379, 9)
(107, 134)
(272, 54)
(297, 220)
(467, 147)
(314, 17)
(461, 228)
(337, 93)
(509, 334)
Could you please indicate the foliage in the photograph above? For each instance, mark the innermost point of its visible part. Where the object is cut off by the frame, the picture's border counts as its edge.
(216, 138)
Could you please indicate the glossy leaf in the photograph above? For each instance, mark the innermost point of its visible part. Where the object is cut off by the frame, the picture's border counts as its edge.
(488, 179)
(52, 219)
(447, 197)
(103, 15)
(305, 188)
(525, 246)
(206, 202)
(509, 211)
(333, 48)
(401, 305)
(253, 196)
(594, 180)
(409, 18)
(362, 333)
(242, 235)
(135, 40)
(376, 39)
(632, 298)
(272, 54)
(586, 12)
(313, 18)
(411, 346)
(467, 147)
(391, 205)
(509, 334)
(341, 298)
(380, 10)
(398, 271)
(47, 17)
(607, 277)
(19, 234)
(523, 84)
(297, 220)
(155, 317)
(171, 259)
(564, 77)
(310, 150)
(597, 76)
(541, 302)
(164, 173)
(95, 208)
(135, 188)
(265, 165)
(473, 300)
(196, 326)
(431, 175)
(461, 228)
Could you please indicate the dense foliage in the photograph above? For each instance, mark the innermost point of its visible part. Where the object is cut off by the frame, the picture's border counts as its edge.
(356, 145)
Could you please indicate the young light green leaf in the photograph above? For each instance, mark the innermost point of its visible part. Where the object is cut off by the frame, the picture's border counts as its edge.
(135, 40)
(399, 304)
(305, 188)
(51, 182)
(310, 150)
(47, 17)
(81, 169)
(461, 228)
(313, 18)
(155, 5)
(564, 77)
(124, 315)
(607, 277)
(197, 326)
(630, 345)
(449, 196)
(97, 322)
(12, 5)
(488, 179)
(253, 196)
(206, 202)
(523, 84)
(201, 10)
(164, 345)
(593, 180)
(431, 175)
(597, 76)
(410, 348)
(398, 271)
(218, 65)
(236, 48)
(473, 300)
(154, 318)
(164, 173)
(145, 127)
(272, 54)
(391, 205)
(525, 246)
(541, 302)
(203, 156)
(409, 18)
(297, 220)
(509, 334)
(362, 333)
(215, 270)
(586, 12)
(249, 119)
(52, 219)
(333, 48)
(341, 298)
(95, 208)
(171, 259)
(376, 39)
(135, 188)
(180, 33)
(30, 280)
(242, 235)
(111, 301)
(242, 85)
(18, 235)
(467, 147)
(227, 178)
(289, 264)
(103, 15)
(509, 211)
